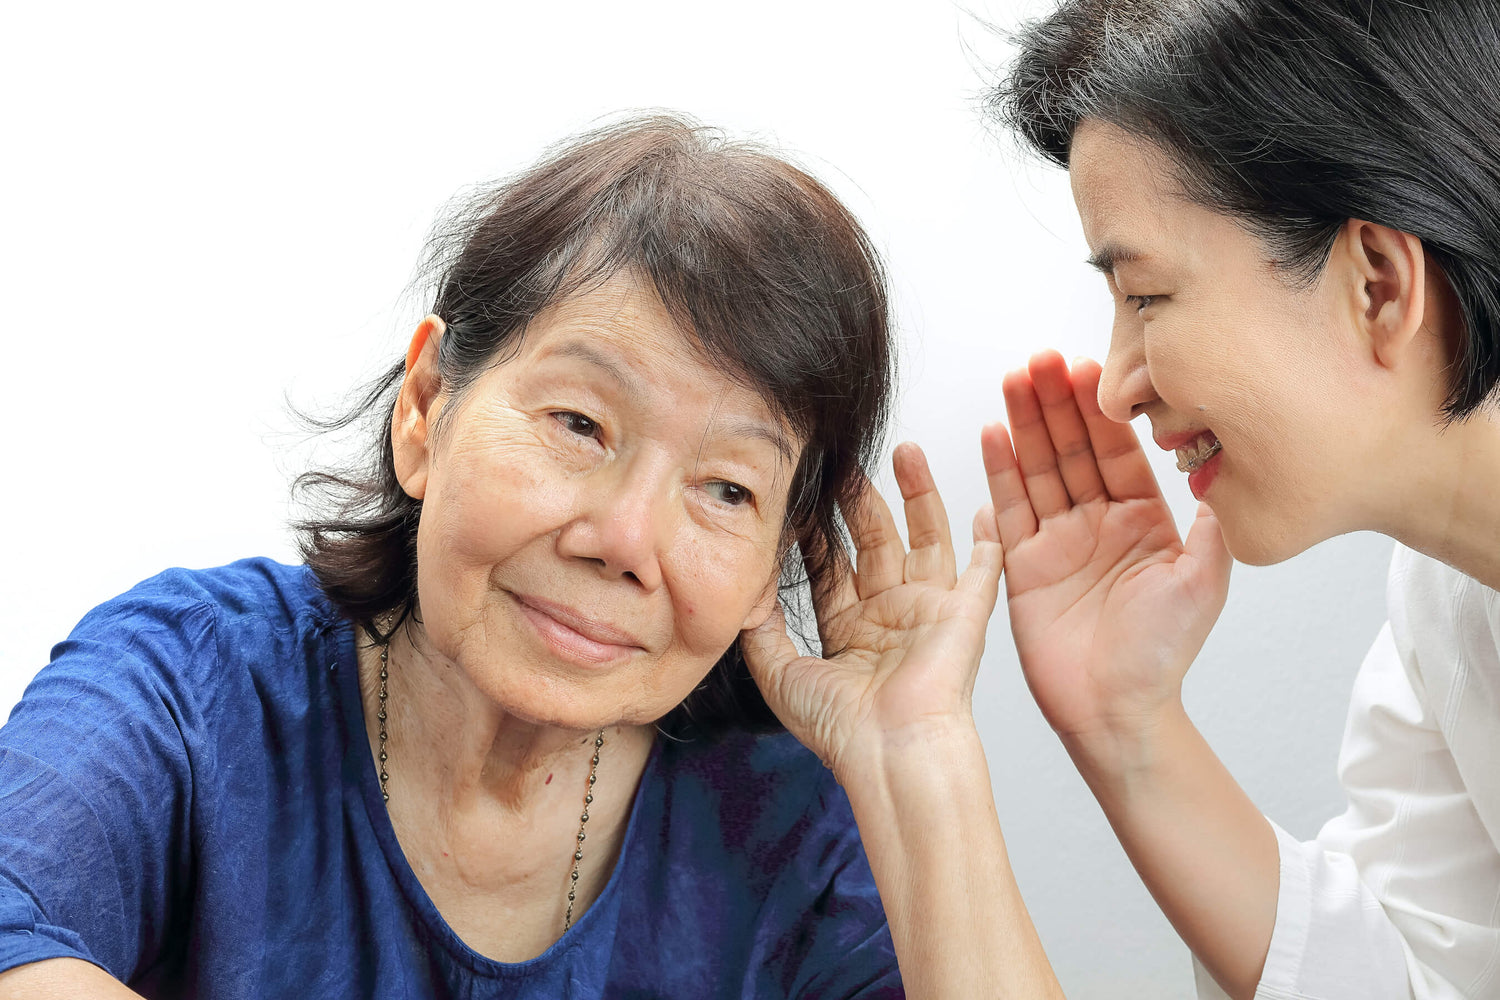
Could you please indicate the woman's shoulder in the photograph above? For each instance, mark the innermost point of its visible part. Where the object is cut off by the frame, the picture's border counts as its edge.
(188, 615)
(1425, 595)
(185, 712)
(256, 587)
(1446, 627)
(194, 638)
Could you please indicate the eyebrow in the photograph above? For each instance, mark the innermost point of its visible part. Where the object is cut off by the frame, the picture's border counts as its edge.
(635, 388)
(617, 370)
(1111, 256)
(756, 429)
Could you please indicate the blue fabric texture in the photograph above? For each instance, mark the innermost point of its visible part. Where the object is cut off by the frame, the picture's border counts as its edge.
(188, 800)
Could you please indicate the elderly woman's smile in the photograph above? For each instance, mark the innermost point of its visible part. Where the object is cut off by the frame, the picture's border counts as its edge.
(602, 511)
(572, 634)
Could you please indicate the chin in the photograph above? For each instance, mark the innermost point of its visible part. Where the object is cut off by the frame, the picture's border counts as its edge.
(558, 716)
(1265, 543)
(543, 702)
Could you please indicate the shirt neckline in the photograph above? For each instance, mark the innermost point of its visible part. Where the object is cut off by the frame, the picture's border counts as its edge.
(356, 753)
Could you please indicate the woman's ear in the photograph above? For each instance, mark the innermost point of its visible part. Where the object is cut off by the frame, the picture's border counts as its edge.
(765, 603)
(1389, 285)
(417, 407)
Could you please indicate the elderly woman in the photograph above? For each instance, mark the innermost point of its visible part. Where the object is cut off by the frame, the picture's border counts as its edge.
(1296, 205)
(497, 737)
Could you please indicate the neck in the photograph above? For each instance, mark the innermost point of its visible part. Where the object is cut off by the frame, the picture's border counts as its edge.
(1450, 506)
(487, 806)
(448, 737)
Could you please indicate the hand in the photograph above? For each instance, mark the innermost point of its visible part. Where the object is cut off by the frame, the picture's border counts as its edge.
(902, 633)
(1107, 605)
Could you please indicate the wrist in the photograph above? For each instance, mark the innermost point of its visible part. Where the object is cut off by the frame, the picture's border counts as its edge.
(922, 799)
(917, 776)
(1131, 750)
(928, 745)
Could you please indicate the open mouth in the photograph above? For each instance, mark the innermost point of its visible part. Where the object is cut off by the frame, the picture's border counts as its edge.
(1194, 455)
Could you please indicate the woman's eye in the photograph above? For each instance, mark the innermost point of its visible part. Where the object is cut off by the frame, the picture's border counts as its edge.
(578, 423)
(1139, 301)
(732, 494)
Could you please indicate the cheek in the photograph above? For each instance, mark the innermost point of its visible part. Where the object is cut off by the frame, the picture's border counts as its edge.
(714, 591)
(490, 494)
(482, 506)
(1257, 367)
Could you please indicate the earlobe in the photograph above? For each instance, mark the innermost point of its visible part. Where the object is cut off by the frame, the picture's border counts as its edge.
(1389, 268)
(764, 605)
(417, 406)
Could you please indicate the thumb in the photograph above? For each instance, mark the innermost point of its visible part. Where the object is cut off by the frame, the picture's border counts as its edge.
(1205, 544)
(986, 527)
(987, 560)
(767, 648)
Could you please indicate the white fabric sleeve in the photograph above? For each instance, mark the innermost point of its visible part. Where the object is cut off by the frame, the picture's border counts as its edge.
(1397, 898)
(1325, 916)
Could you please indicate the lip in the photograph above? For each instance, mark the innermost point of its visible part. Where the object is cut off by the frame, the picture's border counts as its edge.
(574, 635)
(1202, 478)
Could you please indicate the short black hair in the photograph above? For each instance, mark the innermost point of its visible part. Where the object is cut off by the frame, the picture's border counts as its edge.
(1295, 116)
(759, 264)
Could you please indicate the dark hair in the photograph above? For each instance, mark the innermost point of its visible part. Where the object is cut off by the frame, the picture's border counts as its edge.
(755, 260)
(1296, 116)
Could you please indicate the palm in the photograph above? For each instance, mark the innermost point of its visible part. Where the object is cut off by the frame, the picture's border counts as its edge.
(902, 635)
(1107, 605)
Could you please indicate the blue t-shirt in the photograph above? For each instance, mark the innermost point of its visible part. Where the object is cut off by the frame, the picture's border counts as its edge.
(187, 799)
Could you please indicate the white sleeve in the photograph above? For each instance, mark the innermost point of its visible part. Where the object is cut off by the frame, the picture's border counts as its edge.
(1399, 897)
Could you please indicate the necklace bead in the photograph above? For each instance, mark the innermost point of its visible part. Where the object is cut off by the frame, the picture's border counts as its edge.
(588, 798)
(583, 820)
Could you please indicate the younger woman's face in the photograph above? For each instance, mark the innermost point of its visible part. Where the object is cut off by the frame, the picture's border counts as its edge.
(601, 513)
(1221, 351)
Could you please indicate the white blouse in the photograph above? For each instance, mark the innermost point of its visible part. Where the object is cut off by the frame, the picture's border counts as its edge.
(1400, 896)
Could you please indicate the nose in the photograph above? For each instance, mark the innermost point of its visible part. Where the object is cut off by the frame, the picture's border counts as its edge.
(622, 524)
(1125, 386)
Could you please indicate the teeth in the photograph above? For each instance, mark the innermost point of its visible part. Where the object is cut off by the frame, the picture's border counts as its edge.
(1191, 457)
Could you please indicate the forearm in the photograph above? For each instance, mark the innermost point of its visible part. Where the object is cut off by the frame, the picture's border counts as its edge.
(926, 815)
(1205, 852)
(59, 978)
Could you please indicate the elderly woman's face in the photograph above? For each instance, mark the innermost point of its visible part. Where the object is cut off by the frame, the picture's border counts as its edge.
(601, 513)
(1212, 345)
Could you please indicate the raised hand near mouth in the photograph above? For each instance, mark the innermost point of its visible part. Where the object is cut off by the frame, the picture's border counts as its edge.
(1108, 606)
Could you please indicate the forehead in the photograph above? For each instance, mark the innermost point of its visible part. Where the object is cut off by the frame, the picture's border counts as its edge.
(1130, 202)
(1119, 182)
(621, 330)
(618, 312)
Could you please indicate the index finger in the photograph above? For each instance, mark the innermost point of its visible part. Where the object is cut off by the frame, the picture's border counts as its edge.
(1070, 435)
(927, 534)
(1122, 463)
(1014, 517)
(1032, 444)
(879, 555)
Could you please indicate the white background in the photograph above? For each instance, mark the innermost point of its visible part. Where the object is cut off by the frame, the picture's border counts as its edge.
(207, 208)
